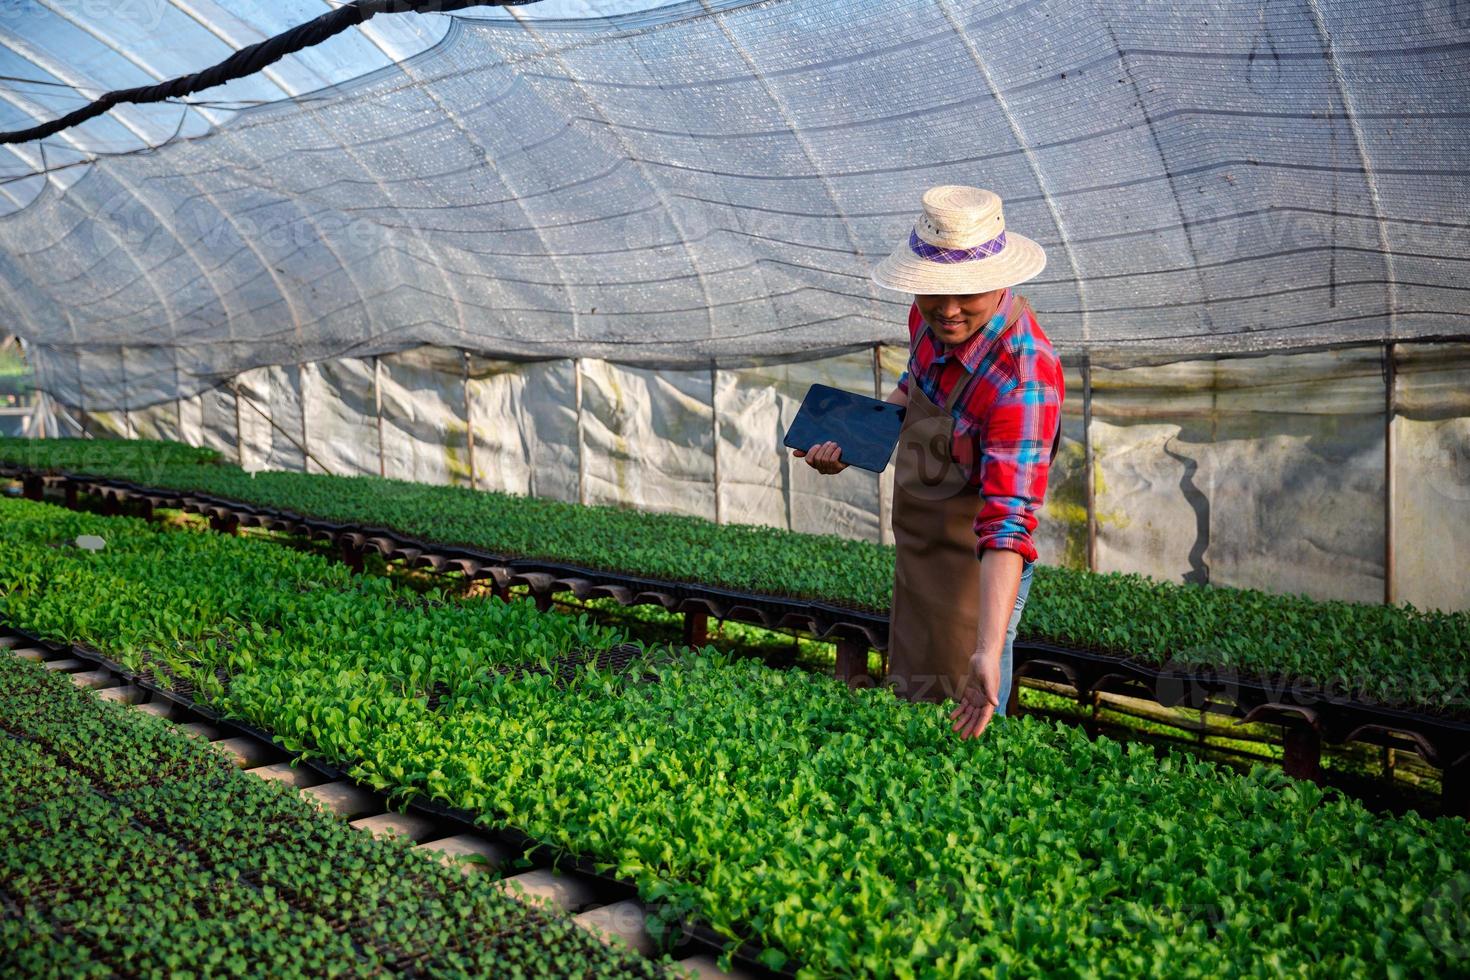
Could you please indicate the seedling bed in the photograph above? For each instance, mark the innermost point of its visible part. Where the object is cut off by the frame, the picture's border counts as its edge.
(1310, 713)
(534, 851)
(221, 875)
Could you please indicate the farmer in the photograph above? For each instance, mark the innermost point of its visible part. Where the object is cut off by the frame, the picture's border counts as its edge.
(983, 394)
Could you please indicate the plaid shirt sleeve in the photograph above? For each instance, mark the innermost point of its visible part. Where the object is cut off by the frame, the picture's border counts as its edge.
(1015, 456)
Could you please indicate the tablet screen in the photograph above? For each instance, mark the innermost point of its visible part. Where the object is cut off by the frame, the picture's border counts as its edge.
(865, 428)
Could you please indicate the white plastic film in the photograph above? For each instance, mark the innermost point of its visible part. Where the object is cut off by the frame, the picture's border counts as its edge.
(761, 483)
(525, 427)
(273, 434)
(648, 439)
(715, 182)
(1432, 476)
(423, 404)
(1260, 472)
(341, 414)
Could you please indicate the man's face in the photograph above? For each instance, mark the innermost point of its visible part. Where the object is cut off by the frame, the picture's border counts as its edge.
(954, 319)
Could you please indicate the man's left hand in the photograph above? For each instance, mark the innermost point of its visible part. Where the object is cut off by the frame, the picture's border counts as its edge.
(980, 696)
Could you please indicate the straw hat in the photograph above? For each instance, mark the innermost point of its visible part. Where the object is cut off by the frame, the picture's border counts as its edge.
(960, 245)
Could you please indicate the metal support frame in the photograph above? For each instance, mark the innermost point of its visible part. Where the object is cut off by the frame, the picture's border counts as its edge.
(1088, 698)
(1455, 788)
(714, 378)
(305, 453)
(83, 416)
(469, 422)
(350, 554)
(1302, 750)
(1390, 384)
(581, 441)
(122, 365)
(306, 457)
(224, 524)
(234, 388)
(885, 501)
(378, 412)
(1088, 464)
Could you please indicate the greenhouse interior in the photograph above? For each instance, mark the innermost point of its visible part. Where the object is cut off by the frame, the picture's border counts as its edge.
(431, 544)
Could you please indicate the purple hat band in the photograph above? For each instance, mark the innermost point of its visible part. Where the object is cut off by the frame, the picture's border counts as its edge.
(934, 253)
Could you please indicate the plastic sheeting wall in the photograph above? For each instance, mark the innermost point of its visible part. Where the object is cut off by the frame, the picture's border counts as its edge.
(1236, 470)
(1267, 472)
(1431, 431)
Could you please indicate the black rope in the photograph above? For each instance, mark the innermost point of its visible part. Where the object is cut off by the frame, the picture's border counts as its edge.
(248, 61)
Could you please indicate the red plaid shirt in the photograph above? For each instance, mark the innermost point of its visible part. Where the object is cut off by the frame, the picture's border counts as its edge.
(1004, 424)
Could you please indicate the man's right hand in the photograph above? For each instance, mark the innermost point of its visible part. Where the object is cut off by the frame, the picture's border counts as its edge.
(824, 458)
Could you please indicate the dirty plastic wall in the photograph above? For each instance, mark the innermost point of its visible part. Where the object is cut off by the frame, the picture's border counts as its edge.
(648, 439)
(1432, 475)
(1226, 471)
(1266, 472)
(524, 418)
(760, 482)
(342, 404)
(423, 412)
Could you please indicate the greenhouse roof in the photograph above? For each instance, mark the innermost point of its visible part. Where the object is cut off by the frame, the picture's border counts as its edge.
(57, 54)
(713, 180)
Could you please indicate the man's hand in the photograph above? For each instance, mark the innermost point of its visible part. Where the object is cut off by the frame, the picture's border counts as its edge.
(980, 696)
(824, 458)
(1000, 580)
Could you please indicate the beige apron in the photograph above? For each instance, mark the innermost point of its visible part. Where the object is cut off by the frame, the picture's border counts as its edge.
(934, 622)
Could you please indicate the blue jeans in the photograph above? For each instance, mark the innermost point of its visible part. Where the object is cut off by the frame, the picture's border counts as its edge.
(1005, 656)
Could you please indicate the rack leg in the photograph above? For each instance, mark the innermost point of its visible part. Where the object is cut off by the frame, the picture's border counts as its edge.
(71, 495)
(852, 662)
(33, 487)
(1089, 700)
(350, 554)
(1302, 755)
(1455, 794)
(493, 584)
(696, 628)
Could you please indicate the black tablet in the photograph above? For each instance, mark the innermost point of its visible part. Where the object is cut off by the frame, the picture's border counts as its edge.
(865, 428)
